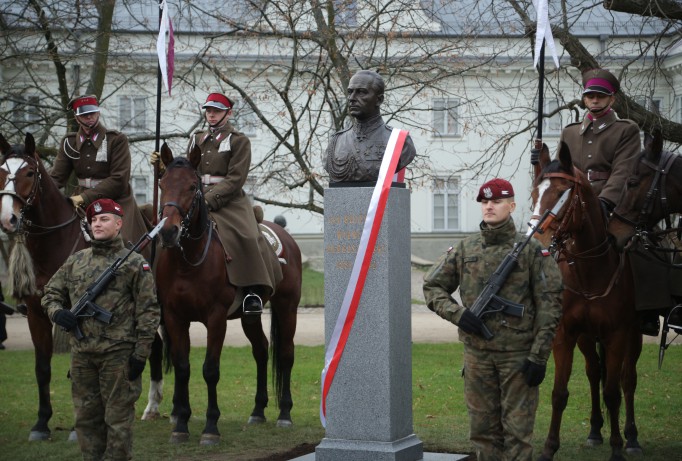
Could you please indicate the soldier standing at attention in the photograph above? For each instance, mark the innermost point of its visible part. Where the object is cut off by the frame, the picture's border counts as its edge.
(107, 363)
(100, 159)
(225, 161)
(501, 375)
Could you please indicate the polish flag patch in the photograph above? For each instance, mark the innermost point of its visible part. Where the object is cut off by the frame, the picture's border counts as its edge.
(545, 252)
(145, 267)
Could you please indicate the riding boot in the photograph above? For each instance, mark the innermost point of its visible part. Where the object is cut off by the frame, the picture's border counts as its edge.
(252, 304)
(649, 323)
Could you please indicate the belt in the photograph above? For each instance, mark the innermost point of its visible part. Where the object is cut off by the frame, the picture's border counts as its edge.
(207, 179)
(597, 175)
(89, 182)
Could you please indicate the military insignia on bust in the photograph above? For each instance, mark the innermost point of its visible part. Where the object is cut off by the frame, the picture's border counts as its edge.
(97, 207)
(487, 192)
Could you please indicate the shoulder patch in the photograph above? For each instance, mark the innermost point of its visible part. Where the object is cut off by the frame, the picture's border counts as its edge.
(449, 250)
(544, 252)
(146, 267)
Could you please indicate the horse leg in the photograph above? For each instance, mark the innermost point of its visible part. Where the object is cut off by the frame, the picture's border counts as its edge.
(155, 395)
(41, 335)
(179, 332)
(629, 385)
(282, 330)
(612, 396)
(253, 329)
(211, 370)
(593, 370)
(562, 351)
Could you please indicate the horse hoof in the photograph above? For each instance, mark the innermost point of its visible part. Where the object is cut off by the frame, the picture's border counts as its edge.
(209, 439)
(38, 436)
(594, 442)
(636, 451)
(179, 437)
(256, 420)
(73, 436)
(284, 423)
(150, 416)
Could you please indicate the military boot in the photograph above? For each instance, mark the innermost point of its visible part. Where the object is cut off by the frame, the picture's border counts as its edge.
(649, 323)
(252, 304)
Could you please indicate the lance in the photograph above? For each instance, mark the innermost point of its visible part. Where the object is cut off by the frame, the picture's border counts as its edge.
(537, 147)
(155, 204)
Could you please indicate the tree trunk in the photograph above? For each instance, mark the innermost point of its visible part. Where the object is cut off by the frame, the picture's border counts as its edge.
(665, 9)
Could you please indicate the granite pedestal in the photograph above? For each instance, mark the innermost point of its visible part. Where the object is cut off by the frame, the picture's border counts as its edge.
(369, 405)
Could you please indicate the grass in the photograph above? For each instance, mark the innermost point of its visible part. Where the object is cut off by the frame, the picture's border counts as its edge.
(440, 419)
(312, 288)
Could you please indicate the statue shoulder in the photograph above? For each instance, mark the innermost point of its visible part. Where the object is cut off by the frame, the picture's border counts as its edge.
(340, 132)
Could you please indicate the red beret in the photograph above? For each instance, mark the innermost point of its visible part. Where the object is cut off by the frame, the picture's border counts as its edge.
(495, 189)
(103, 205)
(218, 100)
(84, 104)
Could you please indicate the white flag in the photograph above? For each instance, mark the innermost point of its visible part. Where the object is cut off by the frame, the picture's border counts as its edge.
(166, 56)
(544, 32)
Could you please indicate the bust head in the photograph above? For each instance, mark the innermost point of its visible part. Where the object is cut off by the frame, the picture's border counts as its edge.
(365, 94)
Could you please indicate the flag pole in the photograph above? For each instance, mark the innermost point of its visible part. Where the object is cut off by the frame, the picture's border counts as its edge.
(155, 205)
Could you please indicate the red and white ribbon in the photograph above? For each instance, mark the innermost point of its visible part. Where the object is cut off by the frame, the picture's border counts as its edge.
(363, 258)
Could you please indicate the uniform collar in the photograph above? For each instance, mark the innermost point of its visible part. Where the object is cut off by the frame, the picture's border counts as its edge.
(499, 234)
(96, 136)
(218, 135)
(106, 247)
(599, 124)
(362, 129)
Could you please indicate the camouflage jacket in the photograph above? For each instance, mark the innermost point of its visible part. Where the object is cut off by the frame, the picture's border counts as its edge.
(130, 297)
(535, 283)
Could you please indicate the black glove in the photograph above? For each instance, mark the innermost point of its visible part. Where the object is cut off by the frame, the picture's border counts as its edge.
(470, 323)
(533, 373)
(65, 318)
(534, 156)
(135, 368)
(606, 207)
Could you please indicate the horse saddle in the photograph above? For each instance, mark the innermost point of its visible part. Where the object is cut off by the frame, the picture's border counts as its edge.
(274, 241)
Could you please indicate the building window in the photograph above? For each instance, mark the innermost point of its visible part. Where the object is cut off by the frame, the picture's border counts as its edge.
(446, 204)
(553, 125)
(140, 189)
(245, 119)
(678, 109)
(346, 13)
(445, 117)
(25, 113)
(132, 114)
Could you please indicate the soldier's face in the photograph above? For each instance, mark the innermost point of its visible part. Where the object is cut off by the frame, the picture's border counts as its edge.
(105, 226)
(598, 103)
(88, 121)
(496, 212)
(363, 100)
(214, 115)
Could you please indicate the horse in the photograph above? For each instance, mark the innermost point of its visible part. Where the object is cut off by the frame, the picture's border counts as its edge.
(597, 305)
(652, 192)
(46, 230)
(194, 286)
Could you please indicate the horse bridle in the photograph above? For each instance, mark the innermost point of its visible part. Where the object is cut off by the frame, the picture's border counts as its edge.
(12, 178)
(186, 221)
(575, 205)
(661, 173)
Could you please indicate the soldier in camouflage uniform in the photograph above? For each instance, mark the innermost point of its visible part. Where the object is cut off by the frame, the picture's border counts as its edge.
(107, 363)
(502, 375)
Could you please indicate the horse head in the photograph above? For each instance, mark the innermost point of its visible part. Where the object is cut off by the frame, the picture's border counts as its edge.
(552, 178)
(20, 175)
(182, 198)
(647, 197)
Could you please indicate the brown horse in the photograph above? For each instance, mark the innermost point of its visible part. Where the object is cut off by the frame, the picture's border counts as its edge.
(652, 192)
(194, 287)
(598, 307)
(46, 230)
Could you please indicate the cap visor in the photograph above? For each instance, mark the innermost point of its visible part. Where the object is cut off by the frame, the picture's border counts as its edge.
(82, 110)
(597, 89)
(217, 105)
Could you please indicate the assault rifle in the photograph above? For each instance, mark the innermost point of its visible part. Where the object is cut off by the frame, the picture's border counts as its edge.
(488, 302)
(86, 306)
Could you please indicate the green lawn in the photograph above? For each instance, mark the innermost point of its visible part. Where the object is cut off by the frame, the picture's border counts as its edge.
(440, 419)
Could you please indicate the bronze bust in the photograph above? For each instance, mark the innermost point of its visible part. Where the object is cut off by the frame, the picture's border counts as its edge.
(355, 154)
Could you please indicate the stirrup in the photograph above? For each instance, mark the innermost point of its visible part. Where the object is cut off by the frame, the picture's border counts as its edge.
(251, 311)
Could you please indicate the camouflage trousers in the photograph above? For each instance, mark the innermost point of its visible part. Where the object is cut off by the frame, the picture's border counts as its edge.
(501, 406)
(104, 402)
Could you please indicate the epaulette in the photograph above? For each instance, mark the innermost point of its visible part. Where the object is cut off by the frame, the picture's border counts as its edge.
(342, 131)
(114, 132)
(574, 123)
(628, 121)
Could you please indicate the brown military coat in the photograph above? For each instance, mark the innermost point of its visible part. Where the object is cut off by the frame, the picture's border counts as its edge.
(224, 166)
(102, 165)
(607, 145)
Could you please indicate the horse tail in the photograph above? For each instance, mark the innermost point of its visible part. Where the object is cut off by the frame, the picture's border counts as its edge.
(22, 280)
(275, 354)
